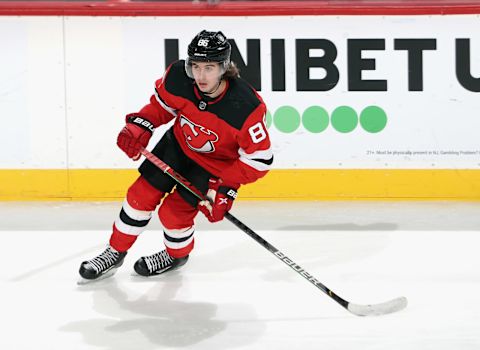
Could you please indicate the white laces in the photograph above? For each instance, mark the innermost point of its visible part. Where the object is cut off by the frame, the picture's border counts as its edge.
(105, 260)
(158, 261)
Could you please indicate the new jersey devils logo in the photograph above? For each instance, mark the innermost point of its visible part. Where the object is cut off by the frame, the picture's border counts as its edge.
(198, 137)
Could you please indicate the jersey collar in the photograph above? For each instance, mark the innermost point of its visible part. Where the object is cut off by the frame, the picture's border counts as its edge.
(202, 97)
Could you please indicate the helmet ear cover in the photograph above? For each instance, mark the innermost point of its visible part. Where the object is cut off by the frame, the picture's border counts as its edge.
(208, 47)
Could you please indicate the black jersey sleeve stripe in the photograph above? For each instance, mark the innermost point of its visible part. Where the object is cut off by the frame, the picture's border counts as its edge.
(264, 161)
(259, 160)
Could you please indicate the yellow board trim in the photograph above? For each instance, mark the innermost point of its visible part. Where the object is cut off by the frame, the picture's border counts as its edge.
(281, 184)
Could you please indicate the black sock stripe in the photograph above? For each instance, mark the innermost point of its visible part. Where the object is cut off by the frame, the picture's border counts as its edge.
(129, 221)
(176, 240)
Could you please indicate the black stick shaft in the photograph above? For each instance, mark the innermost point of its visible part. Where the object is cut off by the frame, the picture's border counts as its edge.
(289, 262)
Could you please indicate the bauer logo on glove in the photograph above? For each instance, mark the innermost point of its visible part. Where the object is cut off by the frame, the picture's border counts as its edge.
(135, 135)
(142, 122)
(220, 199)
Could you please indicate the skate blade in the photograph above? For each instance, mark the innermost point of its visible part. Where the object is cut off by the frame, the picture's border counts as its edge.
(166, 274)
(83, 281)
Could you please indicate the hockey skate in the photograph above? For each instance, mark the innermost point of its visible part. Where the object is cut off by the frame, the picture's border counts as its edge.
(158, 263)
(102, 266)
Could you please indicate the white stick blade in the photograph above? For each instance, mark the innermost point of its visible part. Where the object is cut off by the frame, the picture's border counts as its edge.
(387, 307)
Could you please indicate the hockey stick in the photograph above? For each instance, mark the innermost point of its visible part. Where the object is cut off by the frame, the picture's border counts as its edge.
(387, 307)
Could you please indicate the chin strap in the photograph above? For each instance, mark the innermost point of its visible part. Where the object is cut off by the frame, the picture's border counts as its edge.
(212, 92)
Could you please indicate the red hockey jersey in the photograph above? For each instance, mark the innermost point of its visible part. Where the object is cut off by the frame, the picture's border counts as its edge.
(226, 135)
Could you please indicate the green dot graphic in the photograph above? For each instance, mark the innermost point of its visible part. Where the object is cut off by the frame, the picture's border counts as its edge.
(344, 119)
(373, 119)
(315, 119)
(268, 118)
(286, 119)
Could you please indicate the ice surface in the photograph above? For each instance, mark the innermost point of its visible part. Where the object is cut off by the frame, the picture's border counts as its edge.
(234, 294)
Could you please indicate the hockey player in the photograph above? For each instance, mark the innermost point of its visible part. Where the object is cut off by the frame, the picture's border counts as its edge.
(218, 142)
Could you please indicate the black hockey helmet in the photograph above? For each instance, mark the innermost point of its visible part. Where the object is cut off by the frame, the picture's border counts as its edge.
(208, 47)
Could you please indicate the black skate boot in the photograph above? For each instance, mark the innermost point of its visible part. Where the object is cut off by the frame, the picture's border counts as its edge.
(102, 266)
(158, 263)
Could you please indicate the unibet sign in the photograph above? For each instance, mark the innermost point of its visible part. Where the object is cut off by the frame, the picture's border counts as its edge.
(316, 119)
(357, 64)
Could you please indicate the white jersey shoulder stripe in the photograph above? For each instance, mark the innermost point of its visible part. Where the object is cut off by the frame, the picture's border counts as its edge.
(164, 105)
